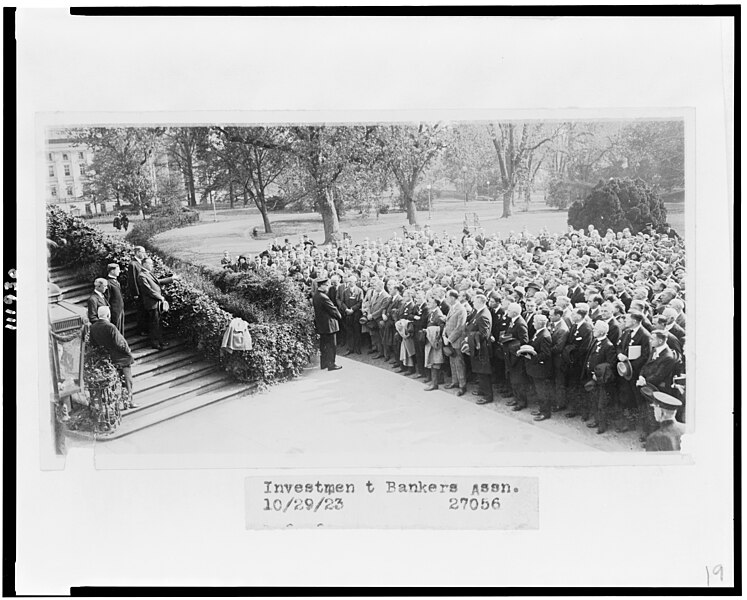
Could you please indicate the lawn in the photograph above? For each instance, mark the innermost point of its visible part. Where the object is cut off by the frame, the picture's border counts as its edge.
(231, 229)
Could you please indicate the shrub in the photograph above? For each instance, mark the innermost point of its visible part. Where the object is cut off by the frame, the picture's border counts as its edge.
(617, 204)
(201, 312)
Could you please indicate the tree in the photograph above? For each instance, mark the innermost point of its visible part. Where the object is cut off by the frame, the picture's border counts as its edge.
(617, 204)
(515, 145)
(407, 150)
(184, 145)
(325, 153)
(254, 159)
(122, 162)
(469, 159)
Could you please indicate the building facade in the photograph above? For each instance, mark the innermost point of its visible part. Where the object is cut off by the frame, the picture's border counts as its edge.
(65, 174)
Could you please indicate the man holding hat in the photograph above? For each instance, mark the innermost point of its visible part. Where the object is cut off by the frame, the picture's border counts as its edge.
(657, 372)
(668, 436)
(633, 349)
(326, 317)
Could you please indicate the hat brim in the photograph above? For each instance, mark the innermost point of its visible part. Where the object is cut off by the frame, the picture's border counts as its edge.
(625, 370)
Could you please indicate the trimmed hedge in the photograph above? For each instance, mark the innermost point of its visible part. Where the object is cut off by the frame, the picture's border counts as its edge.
(200, 312)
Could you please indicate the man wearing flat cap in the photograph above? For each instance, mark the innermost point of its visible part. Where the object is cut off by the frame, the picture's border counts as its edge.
(667, 438)
(326, 318)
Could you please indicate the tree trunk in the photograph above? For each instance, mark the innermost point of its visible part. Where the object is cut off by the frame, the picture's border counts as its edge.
(246, 198)
(508, 196)
(527, 198)
(329, 216)
(412, 210)
(259, 200)
(231, 197)
(190, 176)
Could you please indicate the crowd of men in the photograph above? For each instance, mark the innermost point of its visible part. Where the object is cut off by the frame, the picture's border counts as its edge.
(583, 324)
(106, 313)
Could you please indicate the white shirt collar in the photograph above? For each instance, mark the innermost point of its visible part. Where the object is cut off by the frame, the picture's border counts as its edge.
(99, 293)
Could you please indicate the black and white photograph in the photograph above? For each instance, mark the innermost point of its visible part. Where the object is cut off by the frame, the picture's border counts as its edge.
(533, 273)
(412, 289)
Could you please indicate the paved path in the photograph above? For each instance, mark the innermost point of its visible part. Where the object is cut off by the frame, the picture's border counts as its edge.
(359, 415)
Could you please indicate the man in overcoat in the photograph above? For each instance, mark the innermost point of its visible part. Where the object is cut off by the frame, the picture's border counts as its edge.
(326, 318)
(150, 290)
(479, 330)
(114, 297)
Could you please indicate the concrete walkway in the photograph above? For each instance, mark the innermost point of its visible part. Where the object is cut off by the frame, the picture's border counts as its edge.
(361, 415)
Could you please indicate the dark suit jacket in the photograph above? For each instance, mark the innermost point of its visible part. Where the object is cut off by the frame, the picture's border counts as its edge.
(93, 303)
(580, 338)
(678, 332)
(540, 365)
(150, 289)
(659, 372)
(326, 315)
(104, 334)
(133, 276)
(613, 334)
(479, 330)
(642, 338)
(626, 299)
(352, 298)
(114, 296)
(599, 353)
(559, 338)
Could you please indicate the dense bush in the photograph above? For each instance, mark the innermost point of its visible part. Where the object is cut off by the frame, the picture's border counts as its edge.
(200, 312)
(617, 204)
(144, 230)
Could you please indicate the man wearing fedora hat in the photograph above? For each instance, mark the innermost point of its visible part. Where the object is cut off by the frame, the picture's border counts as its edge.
(668, 436)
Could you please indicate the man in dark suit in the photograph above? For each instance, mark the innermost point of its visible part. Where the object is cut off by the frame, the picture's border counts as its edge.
(419, 324)
(600, 366)
(659, 372)
(478, 332)
(515, 336)
(559, 338)
(613, 329)
(133, 284)
(326, 317)
(96, 299)
(580, 338)
(635, 346)
(114, 297)
(104, 334)
(351, 300)
(539, 368)
(150, 289)
(575, 292)
(499, 323)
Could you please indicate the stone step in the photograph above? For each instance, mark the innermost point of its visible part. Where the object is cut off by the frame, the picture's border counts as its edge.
(176, 389)
(149, 354)
(181, 374)
(183, 405)
(167, 364)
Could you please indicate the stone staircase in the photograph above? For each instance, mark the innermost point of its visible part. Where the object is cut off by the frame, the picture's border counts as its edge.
(166, 383)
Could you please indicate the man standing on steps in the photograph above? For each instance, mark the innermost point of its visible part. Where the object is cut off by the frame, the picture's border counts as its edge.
(104, 334)
(97, 299)
(133, 283)
(327, 319)
(114, 296)
(150, 289)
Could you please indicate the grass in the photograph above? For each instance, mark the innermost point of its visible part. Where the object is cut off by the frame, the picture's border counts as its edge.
(231, 229)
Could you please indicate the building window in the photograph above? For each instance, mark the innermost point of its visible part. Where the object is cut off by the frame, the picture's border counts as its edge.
(81, 169)
(69, 190)
(80, 155)
(64, 156)
(53, 191)
(67, 170)
(50, 156)
(51, 171)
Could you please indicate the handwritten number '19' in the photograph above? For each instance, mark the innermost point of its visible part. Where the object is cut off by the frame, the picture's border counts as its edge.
(717, 571)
